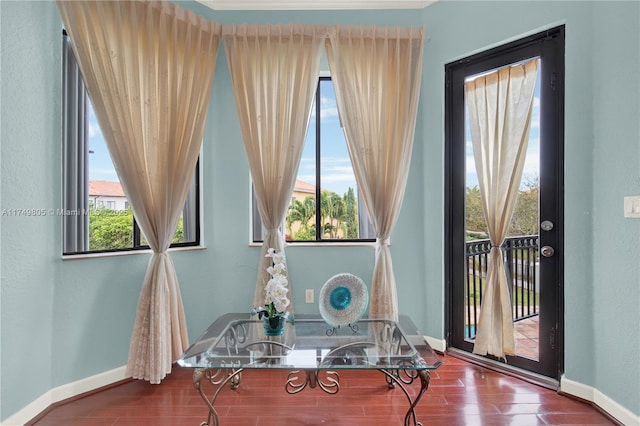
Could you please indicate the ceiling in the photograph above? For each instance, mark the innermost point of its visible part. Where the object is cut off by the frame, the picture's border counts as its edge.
(314, 4)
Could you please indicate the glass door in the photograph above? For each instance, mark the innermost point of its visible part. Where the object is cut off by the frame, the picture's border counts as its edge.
(532, 251)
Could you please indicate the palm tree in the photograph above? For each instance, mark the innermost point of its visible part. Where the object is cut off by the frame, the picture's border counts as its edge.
(301, 212)
(332, 210)
(339, 214)
(351, 214)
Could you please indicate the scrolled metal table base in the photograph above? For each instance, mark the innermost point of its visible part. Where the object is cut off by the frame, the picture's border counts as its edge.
(313, 378)
(219, 377)
(402, 378)
(330, 384)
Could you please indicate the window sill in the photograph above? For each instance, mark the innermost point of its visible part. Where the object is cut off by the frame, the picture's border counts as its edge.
(126, 253)
(324, 244)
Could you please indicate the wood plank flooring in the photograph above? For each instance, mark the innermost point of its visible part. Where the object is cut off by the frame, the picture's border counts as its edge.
(460, 393)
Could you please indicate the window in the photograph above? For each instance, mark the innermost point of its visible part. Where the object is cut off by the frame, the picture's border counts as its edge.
(96, 214)
(325, 174)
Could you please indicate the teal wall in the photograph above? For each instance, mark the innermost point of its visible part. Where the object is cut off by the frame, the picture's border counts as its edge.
(71, 319)
(30, 173)
(602, 159)
(616, 173)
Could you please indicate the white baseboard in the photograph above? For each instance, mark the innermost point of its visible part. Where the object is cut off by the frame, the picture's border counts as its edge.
(438, 345)
(620, 413)
(63, 392)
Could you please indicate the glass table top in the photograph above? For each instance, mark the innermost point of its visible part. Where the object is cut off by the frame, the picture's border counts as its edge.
(238, 341)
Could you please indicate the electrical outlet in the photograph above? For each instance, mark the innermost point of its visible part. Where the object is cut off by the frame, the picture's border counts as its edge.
(632, 206)
(308, 296)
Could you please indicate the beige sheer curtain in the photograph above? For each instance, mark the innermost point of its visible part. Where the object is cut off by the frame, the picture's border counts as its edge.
(274, 70)
(376, 73)
(148, 68)
(499, 105)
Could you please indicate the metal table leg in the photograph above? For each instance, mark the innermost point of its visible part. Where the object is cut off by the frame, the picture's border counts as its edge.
(330, 385)
(393, 379)
(218, 377)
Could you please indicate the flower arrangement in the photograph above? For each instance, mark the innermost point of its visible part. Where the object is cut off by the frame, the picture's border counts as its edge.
(276, 300)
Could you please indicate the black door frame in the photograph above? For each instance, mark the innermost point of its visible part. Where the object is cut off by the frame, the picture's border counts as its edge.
(549, 46)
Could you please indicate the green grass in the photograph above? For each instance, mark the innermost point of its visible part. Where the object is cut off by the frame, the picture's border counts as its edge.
(519, 298)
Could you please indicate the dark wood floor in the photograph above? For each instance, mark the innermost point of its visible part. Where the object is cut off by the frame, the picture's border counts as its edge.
(460, 394)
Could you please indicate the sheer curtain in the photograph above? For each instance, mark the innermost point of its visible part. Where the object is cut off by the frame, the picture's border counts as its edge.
(499, 105)
(148, 68)
(274, 70)
(376, 73)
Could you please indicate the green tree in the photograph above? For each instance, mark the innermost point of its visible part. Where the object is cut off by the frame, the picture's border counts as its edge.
(110, 229)
(178, 237)
(338, 216)
(302, 212)
(332, 210)
(475, 222)
(351, 214)
(525, 214)
(113, 229)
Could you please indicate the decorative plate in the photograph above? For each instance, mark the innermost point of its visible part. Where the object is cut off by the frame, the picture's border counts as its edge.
(343, 300)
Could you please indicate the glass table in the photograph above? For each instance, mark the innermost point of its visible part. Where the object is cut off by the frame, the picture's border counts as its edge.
(313, 352)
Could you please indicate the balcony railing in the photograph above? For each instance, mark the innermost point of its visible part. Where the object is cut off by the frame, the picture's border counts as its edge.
(520, 255)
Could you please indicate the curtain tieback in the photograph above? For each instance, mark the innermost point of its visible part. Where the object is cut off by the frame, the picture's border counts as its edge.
(383, 242)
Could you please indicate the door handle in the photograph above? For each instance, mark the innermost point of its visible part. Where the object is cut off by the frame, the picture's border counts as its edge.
(547, 251)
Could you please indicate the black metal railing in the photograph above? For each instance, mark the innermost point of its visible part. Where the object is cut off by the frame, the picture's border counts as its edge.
(520, 255)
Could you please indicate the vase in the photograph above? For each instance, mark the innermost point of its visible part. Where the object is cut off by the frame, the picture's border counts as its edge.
(274, 325)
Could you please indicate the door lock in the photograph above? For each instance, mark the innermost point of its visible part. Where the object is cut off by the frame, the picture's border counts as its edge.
(547, 251)
(546, 225)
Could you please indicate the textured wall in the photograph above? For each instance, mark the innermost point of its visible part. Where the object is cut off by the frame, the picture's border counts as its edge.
(30, 145)
(616, 174)
(602, 144)
(73, 319)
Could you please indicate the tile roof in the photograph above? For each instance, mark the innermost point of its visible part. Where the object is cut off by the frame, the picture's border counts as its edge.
(105, 188)
(301, 186)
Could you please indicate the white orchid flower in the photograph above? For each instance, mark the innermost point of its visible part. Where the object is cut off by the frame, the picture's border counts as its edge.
(276, 300)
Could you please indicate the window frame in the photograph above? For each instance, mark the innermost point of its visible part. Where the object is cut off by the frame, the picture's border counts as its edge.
(75, 146)
(363, 227)
(547, 45)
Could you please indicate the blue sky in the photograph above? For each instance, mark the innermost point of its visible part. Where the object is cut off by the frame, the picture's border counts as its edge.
(100, 164)
(532, 160)
(336, 166)
(337, 173)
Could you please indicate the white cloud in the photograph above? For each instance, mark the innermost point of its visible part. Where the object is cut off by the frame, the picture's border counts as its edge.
(308, 178)
(337, 173)
(535, 114)
(328, 112)
(94, 129)
(470, 165)
(328, 108)
(531, 163)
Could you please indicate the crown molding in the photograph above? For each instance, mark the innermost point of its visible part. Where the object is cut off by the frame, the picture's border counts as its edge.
(314, 4)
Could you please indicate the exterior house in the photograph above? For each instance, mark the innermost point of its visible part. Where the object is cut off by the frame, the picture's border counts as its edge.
(302, 190)
(66, 325)
(107, 194)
